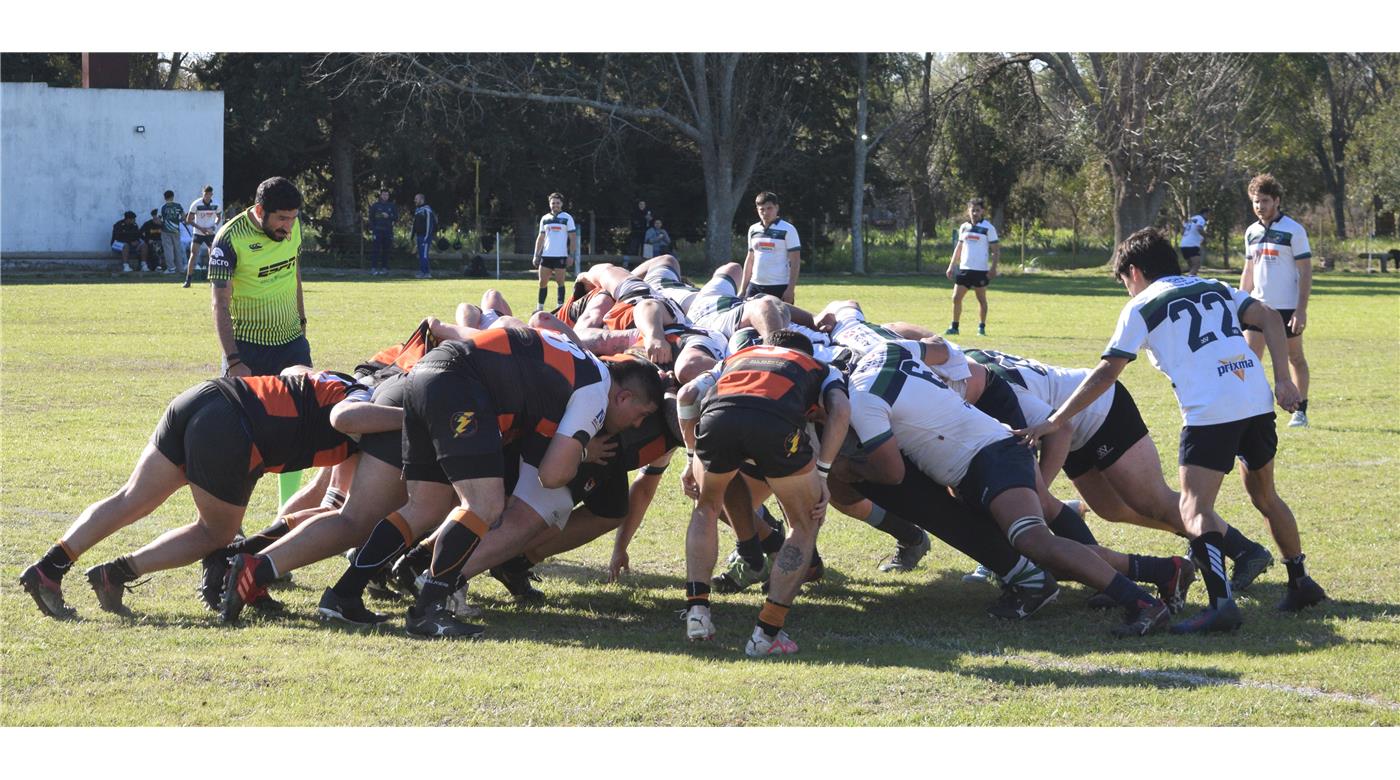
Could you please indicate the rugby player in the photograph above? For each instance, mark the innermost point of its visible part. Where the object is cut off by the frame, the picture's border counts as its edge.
(975, 259)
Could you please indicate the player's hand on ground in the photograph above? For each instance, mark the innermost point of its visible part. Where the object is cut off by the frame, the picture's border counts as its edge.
(1287, 395)
(239, 369)
(600, 449)
(1031, 436)
(618, 566)
(1298, 321)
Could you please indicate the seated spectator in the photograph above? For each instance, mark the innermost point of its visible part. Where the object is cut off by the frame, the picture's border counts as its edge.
(126, 239)
(150, 243)
(658, 239)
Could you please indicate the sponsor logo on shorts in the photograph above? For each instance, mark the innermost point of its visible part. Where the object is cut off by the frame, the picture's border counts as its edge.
(1235, 365)
(589, 485)
(793, 441)
(463, 424)
(1104, 451)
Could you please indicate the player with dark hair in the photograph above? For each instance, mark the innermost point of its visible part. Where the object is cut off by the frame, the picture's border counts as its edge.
(975, 259)
(774, 260)
(556, 243)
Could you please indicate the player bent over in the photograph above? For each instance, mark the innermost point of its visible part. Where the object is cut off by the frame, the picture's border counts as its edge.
(218, 437)
(1191, 328)
(756, 406)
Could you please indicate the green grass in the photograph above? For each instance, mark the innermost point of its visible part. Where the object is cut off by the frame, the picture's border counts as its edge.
(87, 368)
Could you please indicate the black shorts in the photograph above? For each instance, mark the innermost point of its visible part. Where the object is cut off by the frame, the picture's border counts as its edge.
(1122, 428)
(269, 361)
(387, 446)
(450, 430)
(554, 263)
(204, 434)
(1189, 252)
(203, 239)
(1285, 315)
(998, 401)
(609, 497)
(997, 468)
(728, 436)
(631, 290)
(775, 290)
(1253, 440)
(971, 278)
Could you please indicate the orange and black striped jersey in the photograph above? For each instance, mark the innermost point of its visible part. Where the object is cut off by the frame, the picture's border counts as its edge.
(399, 358)
(785, 381)
(289, 418)
(574, 306)
(540, 382)
(636, 447)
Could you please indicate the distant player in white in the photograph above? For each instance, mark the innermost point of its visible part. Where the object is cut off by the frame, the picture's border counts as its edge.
(775, 253)
(1278, 271)
(1193, 239)
(557, 242)
(974, 264)
(204, 216)
(1190, 327)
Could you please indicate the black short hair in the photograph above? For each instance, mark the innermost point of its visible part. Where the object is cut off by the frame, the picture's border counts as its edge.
(129, 215)
(1151, 251)
(767, 197)
(154, 212)
(278, 194)
(169, 194)
(978, 202)
(640, 375)
(208, 188)
(790, 339)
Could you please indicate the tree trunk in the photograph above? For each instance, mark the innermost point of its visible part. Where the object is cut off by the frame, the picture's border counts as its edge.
(344, 214)
(1135, 206)
(858, 178)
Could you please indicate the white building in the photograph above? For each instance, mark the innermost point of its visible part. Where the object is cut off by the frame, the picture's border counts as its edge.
(72, 160)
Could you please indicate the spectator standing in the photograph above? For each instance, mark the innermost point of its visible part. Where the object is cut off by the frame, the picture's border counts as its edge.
(203, 219)
(172, 215)
(775, 253)
(1193, 239)
(126, 240)
(150, 242)
(424, 226)
(658, 239)
(383, 214)
(641, 222)
(556, 243)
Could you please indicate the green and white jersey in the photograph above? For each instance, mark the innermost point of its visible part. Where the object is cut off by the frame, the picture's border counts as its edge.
(893, 393)
(556, 229)
(1276, 250)
(1193, 231)
(263, 273)
(976, 242)
(1049, 387)
(1191, 329)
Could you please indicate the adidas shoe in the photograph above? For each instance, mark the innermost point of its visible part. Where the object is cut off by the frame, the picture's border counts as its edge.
(1211, 620)
(1301, 594)
(739, 575)
(906, 558)
(351, 612)
(1018, 602)
(1150, 619)
(761, 645)
(240, 589)
(1298, 420)
(110, 588)
(1249, 566)
(46, 592)
(1173, 589)
(438, 623)
(698, 626)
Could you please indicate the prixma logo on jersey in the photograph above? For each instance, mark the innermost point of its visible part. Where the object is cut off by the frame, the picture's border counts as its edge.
(1235, 365)
(275, 267)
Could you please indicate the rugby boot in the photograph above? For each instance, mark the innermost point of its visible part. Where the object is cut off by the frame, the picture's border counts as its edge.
(739, 575)
(109, 584)
(351, 612)
(760, 645)
(240, 587)
(1018, 602)
(1173, 589)
(518, 583)
(1301, 594)
(906, 558)
(698, 626)
(437, 622)
(1225, 617)
(46, 592)
(213, 569)
(1149, 619)
(1249, 566)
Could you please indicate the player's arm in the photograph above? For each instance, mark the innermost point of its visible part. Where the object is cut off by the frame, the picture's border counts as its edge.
(688, 414)
(1094, 385)
(639, 497)
(360, 416)
(953, 262)
(650, 319)
(222, 262)
(581, 421)
(747, 274)
(1260, 315)
(994, 255)
(794, 269)
(1247, 275)
(1300, 314)
(539, 247)
(560, 462)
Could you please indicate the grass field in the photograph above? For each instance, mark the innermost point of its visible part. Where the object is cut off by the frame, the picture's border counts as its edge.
(87, 368)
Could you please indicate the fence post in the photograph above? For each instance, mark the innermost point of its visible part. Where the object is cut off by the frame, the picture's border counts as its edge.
(498, 255)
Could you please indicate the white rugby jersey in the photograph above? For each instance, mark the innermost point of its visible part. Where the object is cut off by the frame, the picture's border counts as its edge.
(1275, 251)
(976, 242)
(1051, 386)
(1191, 329)
(206, 216)
(893, 393)
(1193, 231)
(587, 407)
(556, 230)
(770, 246)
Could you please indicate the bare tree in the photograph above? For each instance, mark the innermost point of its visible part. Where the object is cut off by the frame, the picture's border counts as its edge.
(1149, 116)
(734, 110)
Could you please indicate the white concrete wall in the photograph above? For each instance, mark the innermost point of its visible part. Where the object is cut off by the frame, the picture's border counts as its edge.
(71, 161)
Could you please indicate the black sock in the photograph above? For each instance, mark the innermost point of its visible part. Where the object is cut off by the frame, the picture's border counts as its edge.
(1205, 549)
(1127, 593)
(1235, 543)
(265, 572)
(1303, 406)
(1148, 568)
(544, 292)
(125, 572)
(454, 546)
(697, 594)
(560, 293)
(55, 563)
(517, 565)
(1296, 570)
(261, 540)
(904, 532)
(384, 544)
(954, 325)
(1069, 524)
(752, 552)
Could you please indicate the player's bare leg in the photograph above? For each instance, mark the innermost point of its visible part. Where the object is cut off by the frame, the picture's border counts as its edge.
(803, 497)
(702, 550)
